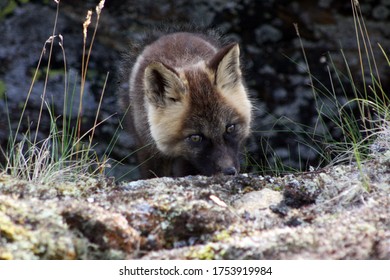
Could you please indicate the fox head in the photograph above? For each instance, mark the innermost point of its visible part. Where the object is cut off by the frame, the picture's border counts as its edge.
(199, 113)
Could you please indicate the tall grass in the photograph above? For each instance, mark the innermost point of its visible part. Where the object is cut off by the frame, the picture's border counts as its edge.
(65, 154)
(361, 117)
(358, 114)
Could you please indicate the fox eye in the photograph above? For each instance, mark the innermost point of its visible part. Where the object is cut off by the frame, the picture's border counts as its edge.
(230, 128)
(195, 138)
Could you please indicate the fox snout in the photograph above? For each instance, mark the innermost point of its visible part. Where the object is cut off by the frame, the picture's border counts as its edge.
(230, 171)
(223, 167)
(224, 162)
(221, 160)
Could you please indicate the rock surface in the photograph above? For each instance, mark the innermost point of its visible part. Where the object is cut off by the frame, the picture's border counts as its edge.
(341, 212)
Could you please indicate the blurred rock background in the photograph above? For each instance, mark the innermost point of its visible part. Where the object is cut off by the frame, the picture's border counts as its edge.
(275, 68)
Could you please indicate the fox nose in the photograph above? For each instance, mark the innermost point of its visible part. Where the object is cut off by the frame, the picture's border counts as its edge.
(229, 171)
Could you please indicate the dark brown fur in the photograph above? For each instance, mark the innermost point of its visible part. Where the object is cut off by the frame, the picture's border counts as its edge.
(184, 87)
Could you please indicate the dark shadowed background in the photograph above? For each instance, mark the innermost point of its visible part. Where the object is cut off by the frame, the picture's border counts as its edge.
(274, 66)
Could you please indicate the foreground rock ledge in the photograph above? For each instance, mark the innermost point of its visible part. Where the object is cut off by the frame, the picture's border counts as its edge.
(341, 212)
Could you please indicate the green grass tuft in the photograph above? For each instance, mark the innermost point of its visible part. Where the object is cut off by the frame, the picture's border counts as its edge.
(65, 154)
(348, 123)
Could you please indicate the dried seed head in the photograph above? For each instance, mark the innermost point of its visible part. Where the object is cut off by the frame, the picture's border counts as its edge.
(50, 39)
(100, 7)
(86, 23)
(61, 43)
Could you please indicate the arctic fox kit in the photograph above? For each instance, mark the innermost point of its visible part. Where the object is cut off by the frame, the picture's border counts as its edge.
(189, 109)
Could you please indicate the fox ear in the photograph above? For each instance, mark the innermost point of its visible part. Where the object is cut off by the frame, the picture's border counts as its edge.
(226, 66)
(162, 84)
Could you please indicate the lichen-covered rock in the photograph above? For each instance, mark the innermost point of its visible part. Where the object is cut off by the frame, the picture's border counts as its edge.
(34, 229)
(341, 212)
